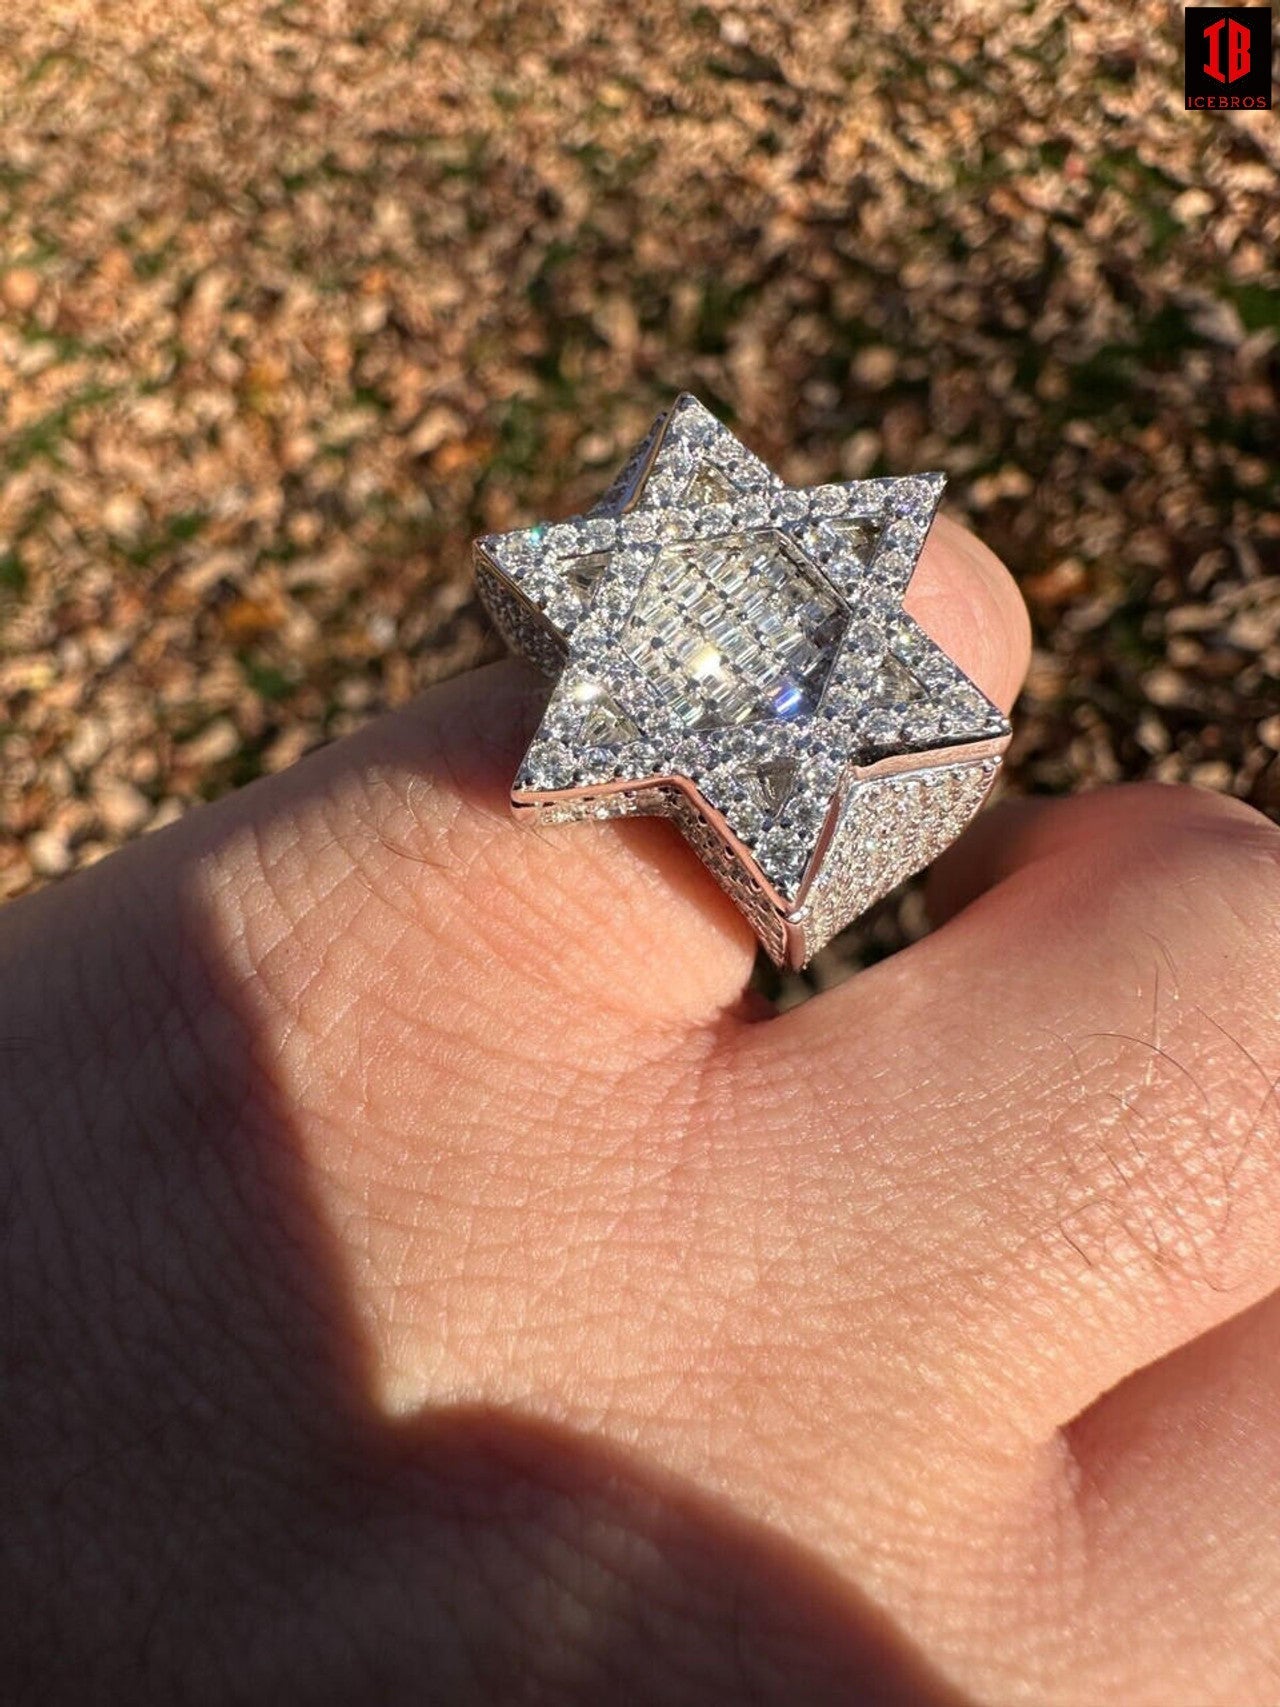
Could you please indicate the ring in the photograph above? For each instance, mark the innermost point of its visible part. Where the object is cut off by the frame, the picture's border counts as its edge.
(732, 653)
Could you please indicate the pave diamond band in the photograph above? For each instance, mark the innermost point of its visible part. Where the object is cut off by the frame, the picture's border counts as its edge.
(732, 653)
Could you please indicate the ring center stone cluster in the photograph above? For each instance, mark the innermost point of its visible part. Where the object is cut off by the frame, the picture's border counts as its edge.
(736, 630)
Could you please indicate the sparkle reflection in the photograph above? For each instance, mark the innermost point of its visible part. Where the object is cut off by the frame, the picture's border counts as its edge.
(788, 699)
(705, 662)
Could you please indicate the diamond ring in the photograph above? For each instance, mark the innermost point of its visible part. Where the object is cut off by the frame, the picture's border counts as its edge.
(732, 653)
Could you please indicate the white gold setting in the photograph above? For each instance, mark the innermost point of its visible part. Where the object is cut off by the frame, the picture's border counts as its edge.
(732, 653)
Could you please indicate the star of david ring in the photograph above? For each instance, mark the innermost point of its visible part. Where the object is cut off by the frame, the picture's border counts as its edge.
(732, 653)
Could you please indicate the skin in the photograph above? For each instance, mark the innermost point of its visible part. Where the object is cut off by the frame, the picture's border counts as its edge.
(426, 1278)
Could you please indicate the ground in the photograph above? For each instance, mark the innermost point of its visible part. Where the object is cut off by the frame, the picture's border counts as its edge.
(295, 299)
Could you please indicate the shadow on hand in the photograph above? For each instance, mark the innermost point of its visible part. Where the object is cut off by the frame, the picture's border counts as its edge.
(202, 1500)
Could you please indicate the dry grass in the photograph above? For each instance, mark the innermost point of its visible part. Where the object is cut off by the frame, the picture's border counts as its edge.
(296, 298)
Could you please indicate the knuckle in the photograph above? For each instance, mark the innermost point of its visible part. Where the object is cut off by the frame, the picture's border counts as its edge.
(1172, 1145)
(1197, 816)
(1182, 859)
(1164, 1137)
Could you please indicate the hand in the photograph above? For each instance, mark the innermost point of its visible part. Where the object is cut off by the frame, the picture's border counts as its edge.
(426, 1278)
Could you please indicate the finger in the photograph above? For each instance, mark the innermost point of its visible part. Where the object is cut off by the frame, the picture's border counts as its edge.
(1177, 1478)
(1067, 1095)
(407, 824)
(966, 600)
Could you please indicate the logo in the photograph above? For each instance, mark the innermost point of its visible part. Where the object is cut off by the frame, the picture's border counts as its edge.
(1228, 57)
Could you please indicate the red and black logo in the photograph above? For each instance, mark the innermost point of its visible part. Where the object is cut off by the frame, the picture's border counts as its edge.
(1228, 57)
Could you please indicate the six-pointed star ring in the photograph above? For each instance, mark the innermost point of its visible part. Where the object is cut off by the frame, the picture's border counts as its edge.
(732, 653)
